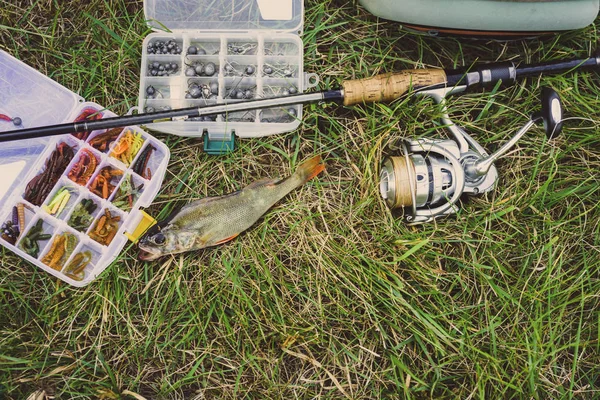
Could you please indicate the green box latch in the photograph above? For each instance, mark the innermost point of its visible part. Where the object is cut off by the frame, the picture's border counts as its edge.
(219, 146)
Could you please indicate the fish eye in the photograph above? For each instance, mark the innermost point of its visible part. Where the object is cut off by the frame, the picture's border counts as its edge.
(159, 238)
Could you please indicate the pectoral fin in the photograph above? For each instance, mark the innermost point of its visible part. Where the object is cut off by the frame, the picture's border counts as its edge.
(188, 240)
(208, 240)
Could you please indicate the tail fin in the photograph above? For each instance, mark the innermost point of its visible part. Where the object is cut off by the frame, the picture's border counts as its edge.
(310, 168)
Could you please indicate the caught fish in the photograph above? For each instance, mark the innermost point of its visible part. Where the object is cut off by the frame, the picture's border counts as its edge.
(216, 220)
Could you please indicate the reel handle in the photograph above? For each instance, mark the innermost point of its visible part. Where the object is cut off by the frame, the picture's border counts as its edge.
(388, 87)
(551, 115)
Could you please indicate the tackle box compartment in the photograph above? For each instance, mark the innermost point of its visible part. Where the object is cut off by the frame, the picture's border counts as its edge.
(252, 49)
(88, 249)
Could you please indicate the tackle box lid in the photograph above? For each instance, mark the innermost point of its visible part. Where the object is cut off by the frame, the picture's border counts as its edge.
(225, 15)
(38, 101)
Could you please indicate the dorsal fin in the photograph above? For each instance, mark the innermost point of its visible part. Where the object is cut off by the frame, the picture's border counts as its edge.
(263, 182)
(208, 200)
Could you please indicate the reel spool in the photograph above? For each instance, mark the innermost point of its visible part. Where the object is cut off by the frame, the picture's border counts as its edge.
(429, 176)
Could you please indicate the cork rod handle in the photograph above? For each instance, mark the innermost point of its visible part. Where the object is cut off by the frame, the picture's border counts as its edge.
(388, 87)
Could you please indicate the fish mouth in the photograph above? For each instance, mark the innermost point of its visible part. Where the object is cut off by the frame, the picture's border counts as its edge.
(145, 255)
(147, 252)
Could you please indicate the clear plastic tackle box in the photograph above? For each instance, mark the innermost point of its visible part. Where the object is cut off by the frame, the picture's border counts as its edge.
(72, 222)
(223, 51)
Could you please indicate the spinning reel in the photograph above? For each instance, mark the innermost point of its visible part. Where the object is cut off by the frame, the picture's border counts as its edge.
(431, 174)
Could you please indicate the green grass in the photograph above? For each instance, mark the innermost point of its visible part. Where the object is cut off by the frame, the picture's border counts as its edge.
(330, 295)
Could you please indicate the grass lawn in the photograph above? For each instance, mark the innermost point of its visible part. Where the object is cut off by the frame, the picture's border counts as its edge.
(330, 295)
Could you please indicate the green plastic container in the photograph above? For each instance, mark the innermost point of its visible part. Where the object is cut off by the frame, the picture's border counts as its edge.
(487, 17)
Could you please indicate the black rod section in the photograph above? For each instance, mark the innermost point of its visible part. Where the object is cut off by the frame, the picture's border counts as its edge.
(485, 75)
(169, 115)
(554, 67)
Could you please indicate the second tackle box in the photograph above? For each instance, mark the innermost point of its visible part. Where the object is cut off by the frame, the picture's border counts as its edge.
(205, 52)
(67, 203)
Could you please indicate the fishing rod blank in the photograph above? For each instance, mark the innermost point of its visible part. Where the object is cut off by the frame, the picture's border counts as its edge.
(380, 88)
(169, 115)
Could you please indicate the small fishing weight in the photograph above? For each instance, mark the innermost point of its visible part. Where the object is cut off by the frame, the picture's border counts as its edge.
(279, 71)
(231, 69)
(162, 47)
(200, 69)
(151, 109)
(267, 69)
(202, 90)
(271, 91)
(153, 93)
(163, 69)
(242, 48)
(196, 51)
(240, 94)
(247, 116)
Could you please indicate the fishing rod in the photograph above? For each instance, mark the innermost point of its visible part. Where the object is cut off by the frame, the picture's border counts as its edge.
(381, 88)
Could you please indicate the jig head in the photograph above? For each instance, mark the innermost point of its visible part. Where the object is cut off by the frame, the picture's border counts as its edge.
(431, 175)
